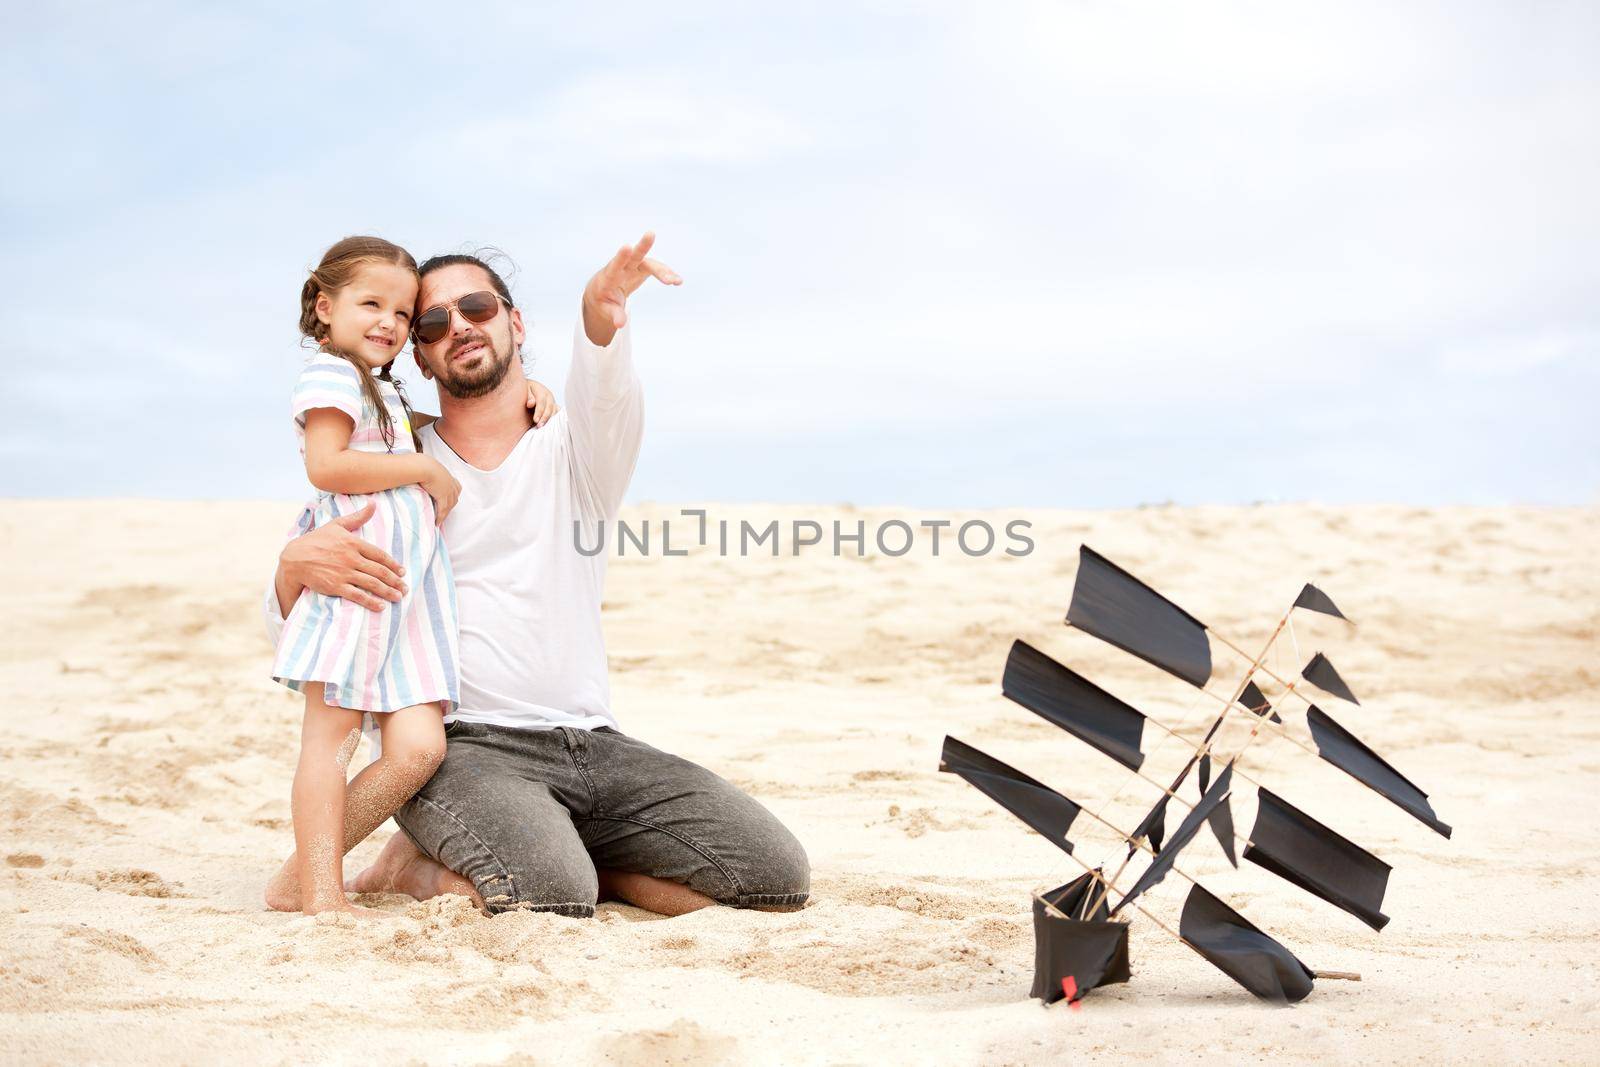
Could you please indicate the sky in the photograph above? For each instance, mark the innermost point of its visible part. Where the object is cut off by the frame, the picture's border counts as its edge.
(968, 255)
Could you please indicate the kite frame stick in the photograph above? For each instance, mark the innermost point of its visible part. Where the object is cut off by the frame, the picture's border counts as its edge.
(1289, 688)
(1211, 734)
(1106, 890)
(1225, 643)
(1140, 774)
(1194, 746)
(1278, 731)
(1276, 728)
(1168, 732)
(1142, 844)
(1110, 884)
(1255, 666)
(1255, 731)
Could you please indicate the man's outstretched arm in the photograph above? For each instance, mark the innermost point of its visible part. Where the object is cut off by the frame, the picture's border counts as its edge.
(605, 404)
(333, 560)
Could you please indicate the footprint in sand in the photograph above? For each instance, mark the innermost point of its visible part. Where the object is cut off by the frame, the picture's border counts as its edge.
(682, 1042)
(137, 883)
(679, 944)
(876, 775)
(922, 897)
(917, 821)
(115, 943)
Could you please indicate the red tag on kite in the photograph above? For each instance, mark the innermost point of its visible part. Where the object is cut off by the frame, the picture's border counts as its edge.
(1069, 986)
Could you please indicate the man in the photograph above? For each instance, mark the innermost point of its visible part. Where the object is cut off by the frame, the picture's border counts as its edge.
(541, 803)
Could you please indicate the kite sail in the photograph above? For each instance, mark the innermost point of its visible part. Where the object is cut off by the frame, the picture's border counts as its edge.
(1055, 692)
(1153, 827)
(1221, 819)
(1221, 822)
(1242, 952)
(1255, 701)
(1035, 803)
(1071, 943)
(1119, 609)
(1345, 751)
(1320, 673)
(1313, 599)
(1215, 797)
(1299, 849)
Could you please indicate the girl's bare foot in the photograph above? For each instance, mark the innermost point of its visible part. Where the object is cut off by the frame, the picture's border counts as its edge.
(283, 889)
(343, 906)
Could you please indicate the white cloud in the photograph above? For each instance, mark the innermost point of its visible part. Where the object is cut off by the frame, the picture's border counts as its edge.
(1507, 354)
(630, 119)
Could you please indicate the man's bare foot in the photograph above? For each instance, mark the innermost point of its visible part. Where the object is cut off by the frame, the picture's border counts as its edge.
(650, 893)
(283, 890)
(384, 874)
(402, 868)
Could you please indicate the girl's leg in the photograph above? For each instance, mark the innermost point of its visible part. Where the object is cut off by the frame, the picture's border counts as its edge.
(318, 804)
(413, 747)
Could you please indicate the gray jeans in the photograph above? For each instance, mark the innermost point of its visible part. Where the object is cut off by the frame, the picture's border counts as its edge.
(527, 816)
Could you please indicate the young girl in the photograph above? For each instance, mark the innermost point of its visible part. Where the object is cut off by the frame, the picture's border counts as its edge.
(397, 665)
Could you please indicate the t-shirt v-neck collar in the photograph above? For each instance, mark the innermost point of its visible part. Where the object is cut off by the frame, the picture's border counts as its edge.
(497, 468)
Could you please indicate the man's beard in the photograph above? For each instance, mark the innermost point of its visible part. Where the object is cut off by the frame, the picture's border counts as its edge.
(480, 380)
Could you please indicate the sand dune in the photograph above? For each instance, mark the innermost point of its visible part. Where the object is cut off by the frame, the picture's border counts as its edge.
(144, 799)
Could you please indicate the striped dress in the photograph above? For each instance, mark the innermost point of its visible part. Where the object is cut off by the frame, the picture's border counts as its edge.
(405, 653)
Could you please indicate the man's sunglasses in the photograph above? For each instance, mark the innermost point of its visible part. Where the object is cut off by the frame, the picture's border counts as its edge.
(432, 325)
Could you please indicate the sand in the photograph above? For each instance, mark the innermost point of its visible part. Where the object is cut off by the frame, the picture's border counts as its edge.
(144, 800)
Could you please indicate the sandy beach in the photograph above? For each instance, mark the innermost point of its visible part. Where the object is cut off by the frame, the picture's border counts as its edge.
(145, 787)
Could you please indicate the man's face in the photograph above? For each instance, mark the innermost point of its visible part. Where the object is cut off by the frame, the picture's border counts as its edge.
(473, 359)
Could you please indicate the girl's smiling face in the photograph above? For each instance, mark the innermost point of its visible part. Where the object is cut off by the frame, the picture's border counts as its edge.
(370, 317)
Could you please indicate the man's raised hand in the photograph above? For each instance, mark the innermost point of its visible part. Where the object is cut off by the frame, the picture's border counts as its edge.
(605, 298)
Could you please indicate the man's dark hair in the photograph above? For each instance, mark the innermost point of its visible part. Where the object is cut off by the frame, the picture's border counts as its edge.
(453, 259)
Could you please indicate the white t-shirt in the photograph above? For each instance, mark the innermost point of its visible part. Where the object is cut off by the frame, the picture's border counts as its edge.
(533, 654)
